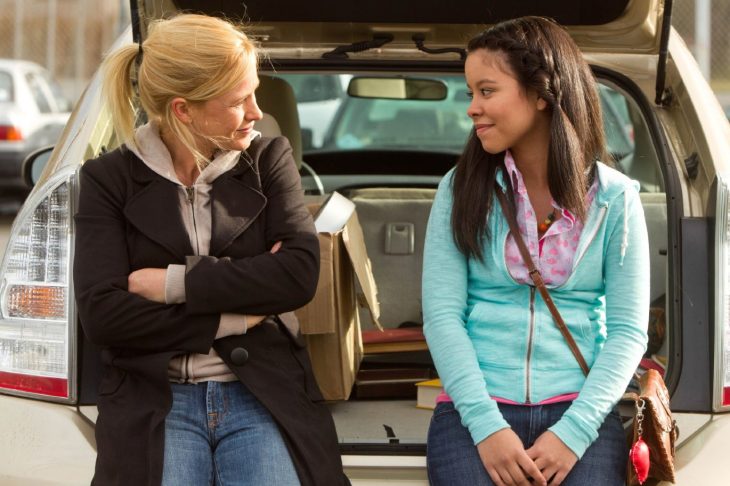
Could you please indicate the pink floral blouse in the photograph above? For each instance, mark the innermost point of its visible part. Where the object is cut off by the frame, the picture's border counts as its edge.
(553, 252)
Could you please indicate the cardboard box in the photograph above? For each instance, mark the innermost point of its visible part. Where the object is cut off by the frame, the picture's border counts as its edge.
(330, 322)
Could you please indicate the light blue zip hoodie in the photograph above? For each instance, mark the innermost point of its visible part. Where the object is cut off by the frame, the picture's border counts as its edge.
(493, 337)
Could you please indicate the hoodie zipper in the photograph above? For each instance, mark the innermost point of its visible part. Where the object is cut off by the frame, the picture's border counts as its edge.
(190, 192)
(191, 199)
(529, 344)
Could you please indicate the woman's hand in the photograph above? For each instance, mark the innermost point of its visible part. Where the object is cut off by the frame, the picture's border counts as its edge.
(553, 457)
(506, 461)
(148, 283)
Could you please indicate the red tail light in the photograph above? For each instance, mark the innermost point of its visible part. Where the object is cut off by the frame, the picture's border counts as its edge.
(41, 385)
(37, 331)
(10, 133)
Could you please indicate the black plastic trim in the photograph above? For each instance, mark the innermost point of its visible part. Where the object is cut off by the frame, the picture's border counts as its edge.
(661, 70)
(673, 191)
(694, 392)
(354, 449)
(566, 12)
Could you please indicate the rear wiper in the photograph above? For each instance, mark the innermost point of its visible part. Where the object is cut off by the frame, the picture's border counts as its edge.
(340, 52)
(419, 38)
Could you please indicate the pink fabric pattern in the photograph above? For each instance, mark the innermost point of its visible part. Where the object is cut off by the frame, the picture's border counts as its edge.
(553, 252)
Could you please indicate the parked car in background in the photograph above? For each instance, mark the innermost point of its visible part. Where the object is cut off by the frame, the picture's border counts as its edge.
(33, 113)
(387, 152)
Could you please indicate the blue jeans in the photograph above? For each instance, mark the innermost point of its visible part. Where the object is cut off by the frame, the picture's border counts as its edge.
(453, 459)
(220, 434)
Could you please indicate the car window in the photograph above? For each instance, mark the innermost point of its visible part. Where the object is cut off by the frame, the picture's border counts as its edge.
(315, 87)
(36, 88)
(61, 102)
(345, 123)
(6, 87)
(628, 140)
(380, 124)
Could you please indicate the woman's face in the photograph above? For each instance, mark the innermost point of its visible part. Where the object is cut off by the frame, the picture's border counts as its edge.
(229, 118)
(505, 115)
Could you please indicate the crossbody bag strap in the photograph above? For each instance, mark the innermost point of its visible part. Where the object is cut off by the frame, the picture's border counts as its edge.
(539, 283)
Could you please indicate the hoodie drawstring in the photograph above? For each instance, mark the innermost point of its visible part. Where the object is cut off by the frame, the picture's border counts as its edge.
(625, 242)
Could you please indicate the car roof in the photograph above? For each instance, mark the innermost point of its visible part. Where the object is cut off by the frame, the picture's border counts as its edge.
(19, 64)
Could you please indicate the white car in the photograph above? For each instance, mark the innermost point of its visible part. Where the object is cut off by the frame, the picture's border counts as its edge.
(666, 130)
(33, 113)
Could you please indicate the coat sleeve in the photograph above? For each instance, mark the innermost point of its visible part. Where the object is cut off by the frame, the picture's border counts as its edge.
(267, 283)
(110, 315)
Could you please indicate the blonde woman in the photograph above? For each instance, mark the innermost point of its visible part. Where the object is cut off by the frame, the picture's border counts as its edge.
(193, 247)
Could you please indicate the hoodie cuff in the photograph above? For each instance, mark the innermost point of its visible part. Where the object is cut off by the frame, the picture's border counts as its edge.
(175, 284)
(575, 437)
(232, 325)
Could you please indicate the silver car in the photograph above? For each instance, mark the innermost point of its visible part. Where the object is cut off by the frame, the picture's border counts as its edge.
(33, 113)
(665, 128)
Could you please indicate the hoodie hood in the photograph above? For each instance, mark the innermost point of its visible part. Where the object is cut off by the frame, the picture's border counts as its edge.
(150, 148)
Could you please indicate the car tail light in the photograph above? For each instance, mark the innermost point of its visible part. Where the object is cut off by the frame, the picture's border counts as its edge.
(37, 337)
(10, 133)
(722, 292)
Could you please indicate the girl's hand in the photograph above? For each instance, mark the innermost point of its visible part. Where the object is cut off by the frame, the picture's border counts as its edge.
(148, 283)
(506, 461)
(275, 248)
(553, 457)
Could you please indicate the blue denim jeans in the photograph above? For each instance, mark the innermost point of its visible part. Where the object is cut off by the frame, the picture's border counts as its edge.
(453, 459)
(220, 434)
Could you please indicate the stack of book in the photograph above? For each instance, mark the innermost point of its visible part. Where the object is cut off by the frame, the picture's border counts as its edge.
(398, 340)
(391, 382)
(427, 393)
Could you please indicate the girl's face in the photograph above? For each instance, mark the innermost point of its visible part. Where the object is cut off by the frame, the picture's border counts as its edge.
(505, 115)
(229, 118)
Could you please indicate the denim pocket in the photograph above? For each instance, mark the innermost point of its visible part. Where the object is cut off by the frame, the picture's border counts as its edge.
(444, 410)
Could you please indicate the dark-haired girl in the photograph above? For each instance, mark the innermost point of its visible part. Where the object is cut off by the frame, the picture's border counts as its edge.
(517, 408)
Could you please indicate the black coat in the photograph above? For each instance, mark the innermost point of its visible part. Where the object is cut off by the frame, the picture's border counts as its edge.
(129, 218)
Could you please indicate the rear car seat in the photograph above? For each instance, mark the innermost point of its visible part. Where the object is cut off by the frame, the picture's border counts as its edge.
(276, 99)
(394, 224)
(655, 212)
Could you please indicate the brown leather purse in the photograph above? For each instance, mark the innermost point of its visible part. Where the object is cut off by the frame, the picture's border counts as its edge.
(654, 432)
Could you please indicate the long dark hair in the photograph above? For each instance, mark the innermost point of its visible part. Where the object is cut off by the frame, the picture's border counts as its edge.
(543, 58)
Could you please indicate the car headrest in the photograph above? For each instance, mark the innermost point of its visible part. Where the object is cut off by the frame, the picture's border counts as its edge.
(276, 98)
(268, 126)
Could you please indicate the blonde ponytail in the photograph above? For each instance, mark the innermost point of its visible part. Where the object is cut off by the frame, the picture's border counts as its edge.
(194, 57)
(119, 92)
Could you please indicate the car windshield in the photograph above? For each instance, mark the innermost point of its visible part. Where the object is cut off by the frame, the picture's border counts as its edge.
(331, 120)
(337, 121)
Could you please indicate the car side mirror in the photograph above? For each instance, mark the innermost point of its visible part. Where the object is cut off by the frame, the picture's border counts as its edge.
(34, 164)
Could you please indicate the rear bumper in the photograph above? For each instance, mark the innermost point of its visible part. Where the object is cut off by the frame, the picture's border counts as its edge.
(44, 443)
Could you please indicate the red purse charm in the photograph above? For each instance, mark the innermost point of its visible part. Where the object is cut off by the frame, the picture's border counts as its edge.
(639, 453)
